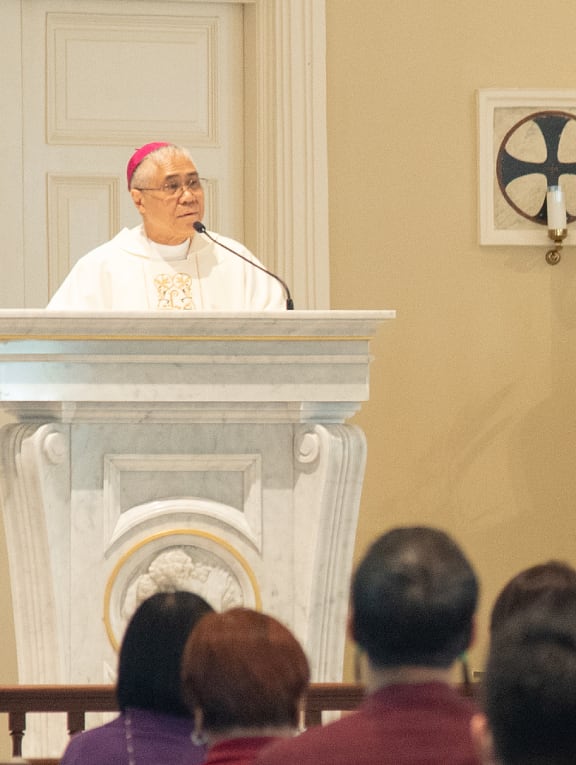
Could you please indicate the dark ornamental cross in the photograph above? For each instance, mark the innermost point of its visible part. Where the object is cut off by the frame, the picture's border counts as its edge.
(510, 168)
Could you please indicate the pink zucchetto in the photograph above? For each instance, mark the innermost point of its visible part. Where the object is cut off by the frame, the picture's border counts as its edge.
(139, 155)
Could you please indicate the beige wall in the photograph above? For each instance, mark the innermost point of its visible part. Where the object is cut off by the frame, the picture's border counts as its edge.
(471, 424)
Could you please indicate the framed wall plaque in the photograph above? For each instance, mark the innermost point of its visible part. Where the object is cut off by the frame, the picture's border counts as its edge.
(527, 142)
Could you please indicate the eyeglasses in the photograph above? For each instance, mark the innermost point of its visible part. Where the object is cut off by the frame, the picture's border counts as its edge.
(175, 187)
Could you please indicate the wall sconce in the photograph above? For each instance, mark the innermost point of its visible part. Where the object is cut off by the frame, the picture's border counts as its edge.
(527, 146)
(556, 219)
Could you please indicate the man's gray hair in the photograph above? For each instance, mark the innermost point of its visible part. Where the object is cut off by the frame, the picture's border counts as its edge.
(144, 173)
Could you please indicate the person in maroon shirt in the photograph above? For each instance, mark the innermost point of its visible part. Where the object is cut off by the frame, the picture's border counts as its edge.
(244, 677)
(413, 601)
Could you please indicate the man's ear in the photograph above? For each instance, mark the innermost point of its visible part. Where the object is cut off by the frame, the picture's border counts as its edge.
(482, 739)
(358, 651)
(138, 199)
(473, 633)
(198, 718)
(350, 624)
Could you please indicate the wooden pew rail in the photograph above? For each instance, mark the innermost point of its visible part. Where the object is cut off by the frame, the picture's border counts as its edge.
(77, 700)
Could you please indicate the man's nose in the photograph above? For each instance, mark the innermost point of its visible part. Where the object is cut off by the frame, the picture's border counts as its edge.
(187, 195)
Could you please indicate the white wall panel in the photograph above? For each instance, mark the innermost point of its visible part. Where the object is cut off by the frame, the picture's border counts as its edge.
(111, 78)
(81, 210)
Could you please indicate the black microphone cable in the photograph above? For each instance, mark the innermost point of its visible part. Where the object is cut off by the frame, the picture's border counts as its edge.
(201, 229)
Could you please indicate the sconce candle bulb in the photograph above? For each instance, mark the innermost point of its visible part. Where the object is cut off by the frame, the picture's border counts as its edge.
(556, 208)
(556, 219)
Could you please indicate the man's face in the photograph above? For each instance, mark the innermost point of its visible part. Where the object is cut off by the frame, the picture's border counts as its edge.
(169, 217)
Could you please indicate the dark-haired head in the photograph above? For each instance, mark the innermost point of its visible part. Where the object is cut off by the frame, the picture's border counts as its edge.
(151, 651)
(244, 670)
(413, 599)
(551, 585)
(530, 688)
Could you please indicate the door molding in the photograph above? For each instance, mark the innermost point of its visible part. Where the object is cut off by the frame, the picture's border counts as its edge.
(291, 167)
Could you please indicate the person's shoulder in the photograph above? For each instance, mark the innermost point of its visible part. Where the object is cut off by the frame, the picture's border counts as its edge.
(232, 244)
(82, 746)
(123, 242)
(316, 745)
(443, 693)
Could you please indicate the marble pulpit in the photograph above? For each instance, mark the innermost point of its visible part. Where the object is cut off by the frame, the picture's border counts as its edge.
(207, 452)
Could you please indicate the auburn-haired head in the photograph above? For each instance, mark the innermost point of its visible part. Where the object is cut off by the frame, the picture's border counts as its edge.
(244, 669)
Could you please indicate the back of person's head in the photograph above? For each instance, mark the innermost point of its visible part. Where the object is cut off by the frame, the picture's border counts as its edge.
(244, 669)
(548, 584)
(149, 664)
(413, 599)
(530, 688)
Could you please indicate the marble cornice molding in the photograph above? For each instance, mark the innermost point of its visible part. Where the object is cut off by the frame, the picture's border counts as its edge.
(154, 364)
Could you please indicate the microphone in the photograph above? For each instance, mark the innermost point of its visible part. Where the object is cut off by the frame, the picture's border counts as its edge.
(201, 229)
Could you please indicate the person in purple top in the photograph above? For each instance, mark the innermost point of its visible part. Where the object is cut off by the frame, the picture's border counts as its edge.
(154, 725)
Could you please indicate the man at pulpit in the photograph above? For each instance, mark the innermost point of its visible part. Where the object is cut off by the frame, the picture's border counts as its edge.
(166, 263)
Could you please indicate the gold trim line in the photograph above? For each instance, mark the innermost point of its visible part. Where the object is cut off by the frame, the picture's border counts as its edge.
(192, 338)
(159, 535)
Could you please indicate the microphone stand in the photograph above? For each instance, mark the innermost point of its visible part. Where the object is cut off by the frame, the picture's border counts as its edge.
(201, 229)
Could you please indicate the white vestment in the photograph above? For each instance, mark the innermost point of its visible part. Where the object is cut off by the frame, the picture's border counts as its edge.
(130, 273)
